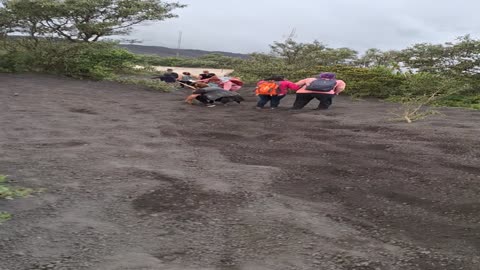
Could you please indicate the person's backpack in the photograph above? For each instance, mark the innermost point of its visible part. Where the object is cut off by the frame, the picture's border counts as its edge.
(269, 88)
(322, 85)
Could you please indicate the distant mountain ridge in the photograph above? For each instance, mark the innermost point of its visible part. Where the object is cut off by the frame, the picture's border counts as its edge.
(169, 52)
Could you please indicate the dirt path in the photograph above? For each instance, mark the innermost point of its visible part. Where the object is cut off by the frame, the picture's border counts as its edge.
(136, 179)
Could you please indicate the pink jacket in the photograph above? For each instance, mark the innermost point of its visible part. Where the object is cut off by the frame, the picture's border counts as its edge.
(283, 87)
(229, 85)
(306, 82)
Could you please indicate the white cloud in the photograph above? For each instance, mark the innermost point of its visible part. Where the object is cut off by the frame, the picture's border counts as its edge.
(250, 25)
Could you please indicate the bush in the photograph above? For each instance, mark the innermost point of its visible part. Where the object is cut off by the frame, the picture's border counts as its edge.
(80, 60)
(206, 61)
(149, 83)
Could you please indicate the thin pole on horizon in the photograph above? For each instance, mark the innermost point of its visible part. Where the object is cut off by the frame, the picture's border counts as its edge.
(179, 43)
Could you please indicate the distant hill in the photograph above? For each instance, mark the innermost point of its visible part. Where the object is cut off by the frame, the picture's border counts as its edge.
(166, 52)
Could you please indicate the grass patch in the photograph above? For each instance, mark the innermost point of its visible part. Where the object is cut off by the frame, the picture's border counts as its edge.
(8, 192)
(149, 83)
(4, 216)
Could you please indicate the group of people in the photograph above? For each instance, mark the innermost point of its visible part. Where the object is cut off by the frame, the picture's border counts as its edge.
(226, 82)
(323, 87)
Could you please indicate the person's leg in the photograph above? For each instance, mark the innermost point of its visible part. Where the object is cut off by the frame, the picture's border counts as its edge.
(263, 99)
(238, 99)
(301, 100)
(225, 100)
(276, 101)
(203, 99)
(190, 98)
(325, 101)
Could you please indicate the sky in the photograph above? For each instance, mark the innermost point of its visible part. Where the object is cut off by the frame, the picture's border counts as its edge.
(247, 26)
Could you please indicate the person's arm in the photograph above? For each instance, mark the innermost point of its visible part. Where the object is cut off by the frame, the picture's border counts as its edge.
(300, 84)
(340, 87)
(292, 86)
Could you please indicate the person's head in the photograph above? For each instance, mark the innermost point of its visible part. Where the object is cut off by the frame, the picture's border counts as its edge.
(214, 78)
(170, 70)
(199, 85)
(186, 73)
(327, 76)
(206, 72)
(277, 78)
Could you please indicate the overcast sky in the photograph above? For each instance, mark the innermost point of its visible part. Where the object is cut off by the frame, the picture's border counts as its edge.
(251, 25)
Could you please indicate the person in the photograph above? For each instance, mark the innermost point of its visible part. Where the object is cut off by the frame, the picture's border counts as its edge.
(273, 90)
(208, 95)
(212, 81)
(230, 83)
(168, 77)
(324, 88)
(186, 79)
(199, 95)
(205, 75)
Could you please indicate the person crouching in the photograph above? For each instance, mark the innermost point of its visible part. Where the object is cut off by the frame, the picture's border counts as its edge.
(209, 95)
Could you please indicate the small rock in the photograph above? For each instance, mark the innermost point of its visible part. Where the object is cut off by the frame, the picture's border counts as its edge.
(363, 264)
(20, 253)
(16, 94)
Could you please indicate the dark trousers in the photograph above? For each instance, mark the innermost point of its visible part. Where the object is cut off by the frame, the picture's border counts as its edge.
(203, 99)
(264, 99)
(302, 100)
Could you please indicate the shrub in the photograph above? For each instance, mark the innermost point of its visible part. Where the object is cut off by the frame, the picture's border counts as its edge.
(206, 61)
(81, 60)
(149, 83)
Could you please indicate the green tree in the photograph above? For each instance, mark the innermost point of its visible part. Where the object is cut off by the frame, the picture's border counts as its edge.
(332, 57)
(292, 51)
(81, 20)
(311, 54)
(461, 57)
